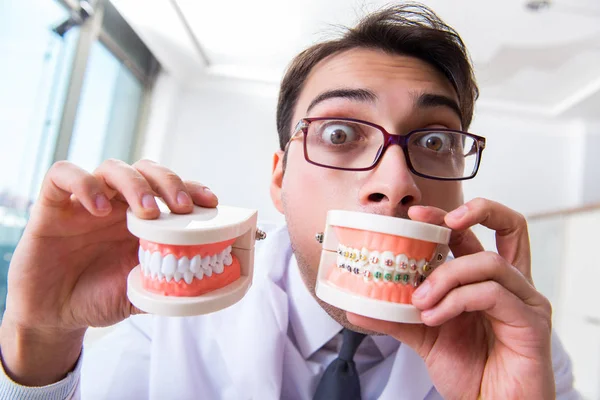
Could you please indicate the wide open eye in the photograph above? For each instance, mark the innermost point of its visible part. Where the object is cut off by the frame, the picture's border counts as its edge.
(338, 133)
(439, 142)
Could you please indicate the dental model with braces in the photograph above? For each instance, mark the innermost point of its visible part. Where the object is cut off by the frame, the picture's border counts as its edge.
(372, 264)
(192, 264)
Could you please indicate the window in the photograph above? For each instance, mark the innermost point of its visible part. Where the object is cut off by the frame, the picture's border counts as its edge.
(71, 88)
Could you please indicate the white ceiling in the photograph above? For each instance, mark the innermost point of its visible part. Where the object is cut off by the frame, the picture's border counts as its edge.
(545, 63)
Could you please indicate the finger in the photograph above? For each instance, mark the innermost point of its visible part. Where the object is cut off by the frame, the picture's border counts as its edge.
(131, 185)
(65, 179)
(462, 242)
(512, 237)
(201, 195)
(489, 297)
(167, 184)
(409, 334)
(475, 268)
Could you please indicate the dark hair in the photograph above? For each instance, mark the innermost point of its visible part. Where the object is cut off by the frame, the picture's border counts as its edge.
(408, 29)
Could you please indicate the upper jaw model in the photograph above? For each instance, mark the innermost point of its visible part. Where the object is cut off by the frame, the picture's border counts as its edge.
(371, 264)
(194, 263)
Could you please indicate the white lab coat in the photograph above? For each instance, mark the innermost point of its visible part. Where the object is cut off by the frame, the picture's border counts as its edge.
(237, 353)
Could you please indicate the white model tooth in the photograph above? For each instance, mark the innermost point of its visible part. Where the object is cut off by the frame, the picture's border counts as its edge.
(401, 263)
(213, 259)
(412, 265)
(205, 263)
(195, 263)
(147, 256)
(340, 260)
(141, 256)
(355, 258)
(420, 264)
(188, 276)
(228, 249)
(374, 259)
(168, 278)
(387, 260)
(183, 265)
(364, 257)
(169, 265)
(153, 274)
(177, 276)
(367, 272)
(228, 259)
(208, 272)
(218, 267)
(220, 256)
(155, 262)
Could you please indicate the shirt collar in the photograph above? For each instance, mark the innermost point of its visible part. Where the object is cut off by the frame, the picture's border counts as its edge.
(311, 325)
(386, 344)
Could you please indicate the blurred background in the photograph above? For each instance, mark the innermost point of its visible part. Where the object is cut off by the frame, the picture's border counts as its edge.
(187, 83)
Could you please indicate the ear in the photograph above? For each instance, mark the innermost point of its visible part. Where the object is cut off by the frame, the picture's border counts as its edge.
(277, 180)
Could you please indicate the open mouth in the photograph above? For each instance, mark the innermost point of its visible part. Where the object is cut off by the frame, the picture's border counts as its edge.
(380, 266)
(175, 270)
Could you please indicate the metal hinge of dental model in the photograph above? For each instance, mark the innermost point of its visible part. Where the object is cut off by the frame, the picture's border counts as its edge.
(319, 237)
(260, 235)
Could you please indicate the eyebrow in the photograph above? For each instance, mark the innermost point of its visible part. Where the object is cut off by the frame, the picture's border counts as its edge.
(421, 100)
(430, 100)
(362, 95)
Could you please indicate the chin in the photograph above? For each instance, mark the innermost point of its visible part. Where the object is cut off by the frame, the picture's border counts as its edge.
(309, 277)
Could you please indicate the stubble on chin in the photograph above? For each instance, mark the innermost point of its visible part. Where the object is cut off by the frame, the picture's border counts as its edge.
(308, 271)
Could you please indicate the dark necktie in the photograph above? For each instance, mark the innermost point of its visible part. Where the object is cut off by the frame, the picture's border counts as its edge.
(340, 380)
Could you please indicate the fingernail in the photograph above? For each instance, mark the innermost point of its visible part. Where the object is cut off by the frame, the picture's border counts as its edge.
(183, 199)
(102, 202)
(149, 202)
(209, 192)
(459, 212)
(422, 290)
(427, 313)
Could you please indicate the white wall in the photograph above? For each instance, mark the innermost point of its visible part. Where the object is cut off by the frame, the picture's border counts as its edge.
(528, 163)
(222, 132)
(591, 179)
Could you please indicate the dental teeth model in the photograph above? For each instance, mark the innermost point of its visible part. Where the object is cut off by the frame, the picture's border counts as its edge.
(372, 264)
(195, 263)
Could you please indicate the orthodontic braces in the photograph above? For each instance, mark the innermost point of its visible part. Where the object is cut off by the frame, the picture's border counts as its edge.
(384, 266)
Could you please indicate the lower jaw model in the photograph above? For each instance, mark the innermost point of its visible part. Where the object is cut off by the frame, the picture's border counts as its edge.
(372, 264)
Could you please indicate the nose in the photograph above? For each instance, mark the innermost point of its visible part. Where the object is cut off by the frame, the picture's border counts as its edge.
(390, 188)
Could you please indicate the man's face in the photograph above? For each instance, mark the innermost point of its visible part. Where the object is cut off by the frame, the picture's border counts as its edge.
(306, 192)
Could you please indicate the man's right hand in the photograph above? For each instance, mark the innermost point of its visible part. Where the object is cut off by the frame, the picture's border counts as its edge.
(70, 268)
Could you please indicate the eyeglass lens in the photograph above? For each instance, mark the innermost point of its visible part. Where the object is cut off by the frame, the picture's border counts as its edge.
(353, 145)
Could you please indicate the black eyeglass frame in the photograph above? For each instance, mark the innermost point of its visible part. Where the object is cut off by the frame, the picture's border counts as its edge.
(388, 140)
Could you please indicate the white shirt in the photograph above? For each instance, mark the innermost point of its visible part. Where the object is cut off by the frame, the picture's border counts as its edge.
(275, 343)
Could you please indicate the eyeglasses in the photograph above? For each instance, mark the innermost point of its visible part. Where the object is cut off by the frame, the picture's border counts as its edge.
(353, 145)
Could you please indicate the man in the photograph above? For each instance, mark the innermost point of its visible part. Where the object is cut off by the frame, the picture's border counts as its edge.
(486, 332)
